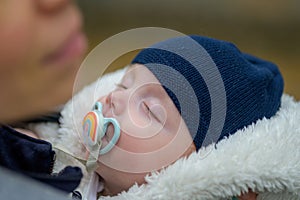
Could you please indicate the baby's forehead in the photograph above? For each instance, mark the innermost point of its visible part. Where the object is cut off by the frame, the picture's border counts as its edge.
(140, 72)
(132, 67)
(142, 78)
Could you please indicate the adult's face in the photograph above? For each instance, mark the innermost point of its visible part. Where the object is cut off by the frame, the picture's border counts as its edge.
(41, 50)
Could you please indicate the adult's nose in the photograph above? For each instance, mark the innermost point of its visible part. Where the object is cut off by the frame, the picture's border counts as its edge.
(52, 5)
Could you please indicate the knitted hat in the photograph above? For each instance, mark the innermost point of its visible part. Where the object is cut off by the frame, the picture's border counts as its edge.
(216, 88)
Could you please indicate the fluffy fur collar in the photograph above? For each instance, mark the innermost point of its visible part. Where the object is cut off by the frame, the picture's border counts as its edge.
(264, 157)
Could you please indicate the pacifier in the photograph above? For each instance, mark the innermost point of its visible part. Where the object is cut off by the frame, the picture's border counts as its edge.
(94, 129)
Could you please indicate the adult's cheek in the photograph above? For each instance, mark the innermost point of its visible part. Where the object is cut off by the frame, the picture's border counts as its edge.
(17, 35)
(37, 96)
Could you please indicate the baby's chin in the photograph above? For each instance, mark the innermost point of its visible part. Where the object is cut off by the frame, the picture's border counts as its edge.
(106, 191)
(115, 182)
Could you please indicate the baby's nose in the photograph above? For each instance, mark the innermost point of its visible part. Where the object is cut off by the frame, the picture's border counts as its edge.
(118, 100)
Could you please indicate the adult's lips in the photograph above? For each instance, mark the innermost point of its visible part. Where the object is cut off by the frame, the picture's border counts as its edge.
(70, 43)
(73, 48)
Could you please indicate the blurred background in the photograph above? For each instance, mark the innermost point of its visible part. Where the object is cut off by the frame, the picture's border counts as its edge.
(267, 29)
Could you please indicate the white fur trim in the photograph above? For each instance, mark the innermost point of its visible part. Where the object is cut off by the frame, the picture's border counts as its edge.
(264, 157)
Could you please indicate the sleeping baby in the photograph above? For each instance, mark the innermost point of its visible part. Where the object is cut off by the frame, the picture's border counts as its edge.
(165, 106)
(176, 97)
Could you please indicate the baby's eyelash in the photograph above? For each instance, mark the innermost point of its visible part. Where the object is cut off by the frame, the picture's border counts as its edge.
(150, 112)
(120, 85)
(147, 107)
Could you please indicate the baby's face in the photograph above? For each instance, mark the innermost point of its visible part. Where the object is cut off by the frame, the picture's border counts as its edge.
(153, 134)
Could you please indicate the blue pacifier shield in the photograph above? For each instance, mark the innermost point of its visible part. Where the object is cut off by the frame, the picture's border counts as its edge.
(94, 129)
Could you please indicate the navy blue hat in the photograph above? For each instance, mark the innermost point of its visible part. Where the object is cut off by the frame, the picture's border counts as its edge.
(216, 88)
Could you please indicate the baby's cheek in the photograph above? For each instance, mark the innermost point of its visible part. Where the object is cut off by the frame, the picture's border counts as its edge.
(140, 128)
(127, 143)
(139, 145)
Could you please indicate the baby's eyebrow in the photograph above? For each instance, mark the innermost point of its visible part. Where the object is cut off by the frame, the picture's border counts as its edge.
(126, 71)
(129, 67)
(129, 72)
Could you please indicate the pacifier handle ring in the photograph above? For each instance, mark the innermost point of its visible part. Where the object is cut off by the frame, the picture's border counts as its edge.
(115, 137)
(94, 144)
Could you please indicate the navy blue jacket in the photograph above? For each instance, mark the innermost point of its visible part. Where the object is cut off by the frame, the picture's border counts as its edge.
(35, 158)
